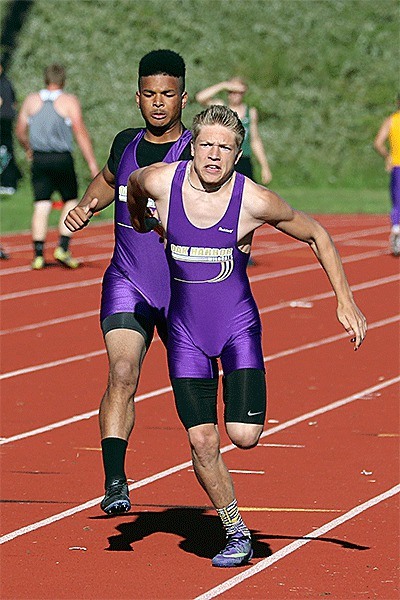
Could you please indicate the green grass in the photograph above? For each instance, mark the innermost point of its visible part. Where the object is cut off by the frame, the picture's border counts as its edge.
(322, 73)
(16, 210)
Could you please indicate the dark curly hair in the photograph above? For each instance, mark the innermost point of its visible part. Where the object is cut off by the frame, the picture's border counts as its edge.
(163, 62)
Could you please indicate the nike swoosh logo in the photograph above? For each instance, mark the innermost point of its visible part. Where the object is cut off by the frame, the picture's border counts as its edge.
(252, 414)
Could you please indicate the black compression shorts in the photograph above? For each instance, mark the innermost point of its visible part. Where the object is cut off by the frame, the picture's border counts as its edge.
(245, 398)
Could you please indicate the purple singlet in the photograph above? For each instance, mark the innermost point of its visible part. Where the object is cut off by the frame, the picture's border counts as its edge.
(138, 274)
(212, 311)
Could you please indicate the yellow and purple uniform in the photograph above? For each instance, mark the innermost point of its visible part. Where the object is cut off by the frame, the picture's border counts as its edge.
(394, 142)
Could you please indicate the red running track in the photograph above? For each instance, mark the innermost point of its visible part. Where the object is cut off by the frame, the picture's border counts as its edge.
(320, 491)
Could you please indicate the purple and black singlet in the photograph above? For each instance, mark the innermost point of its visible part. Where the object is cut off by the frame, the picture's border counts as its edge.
(137, 279)
(212, 310)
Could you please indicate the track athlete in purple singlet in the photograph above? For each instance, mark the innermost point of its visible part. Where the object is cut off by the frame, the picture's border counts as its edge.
(136, 291)
(209, 215)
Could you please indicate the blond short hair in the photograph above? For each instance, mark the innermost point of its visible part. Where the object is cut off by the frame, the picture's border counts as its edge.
(219, 115)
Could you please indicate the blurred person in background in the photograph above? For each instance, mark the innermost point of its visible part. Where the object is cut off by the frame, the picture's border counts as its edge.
(46, 125)
(135, 292)
(387, 144)
(9, 172)
(252, 144)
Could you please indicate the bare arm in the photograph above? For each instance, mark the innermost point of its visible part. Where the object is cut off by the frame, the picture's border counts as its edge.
(270, 208)
(381, 141)
(138, 197)
(305, 228)
(143, 184)
(206, 97)
(258, 148)
(98, 196)
(21, 128)
(81, 134)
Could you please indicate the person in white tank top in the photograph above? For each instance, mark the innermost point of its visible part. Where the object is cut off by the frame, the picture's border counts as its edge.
(46, 126)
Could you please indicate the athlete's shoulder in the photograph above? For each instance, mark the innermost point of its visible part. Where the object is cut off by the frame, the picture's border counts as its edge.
(32, 101)
(158, 169)
(120, 142)
(124, 137)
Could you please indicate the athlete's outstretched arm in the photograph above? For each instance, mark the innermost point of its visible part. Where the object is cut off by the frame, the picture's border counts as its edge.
(304, 228)
(270, 208)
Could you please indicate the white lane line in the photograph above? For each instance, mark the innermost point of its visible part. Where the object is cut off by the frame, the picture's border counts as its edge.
(267, 562)
(264, 247)
(239, 471)
(93, 225)
(175, 469)
(53, 363)
(355, 288)
(95, 241)
(281, 305)
(64, 319)
(81, 259)
(269, 249)
(158, 392)
(51, 288)
(76, 418)
(313, 266)
(282, 445)
(253, 279)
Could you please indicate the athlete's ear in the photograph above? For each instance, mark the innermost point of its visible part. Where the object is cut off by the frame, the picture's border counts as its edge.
(184, 98)
(238, 156)
(137, 98)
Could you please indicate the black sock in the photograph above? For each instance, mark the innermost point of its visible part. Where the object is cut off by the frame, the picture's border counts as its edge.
(38, 248)
(64, 242)
(114, 450)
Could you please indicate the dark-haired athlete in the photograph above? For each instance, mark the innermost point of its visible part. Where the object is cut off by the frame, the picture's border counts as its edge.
(135, 292)
(209, 214)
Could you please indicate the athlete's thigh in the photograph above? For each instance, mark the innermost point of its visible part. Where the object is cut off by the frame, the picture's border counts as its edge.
(395, 186)
(65, 178)
(124, 307)
(185, 359)
(195, 400)
(244, 378)
(125, 347)
(243, 351)
(41, 180)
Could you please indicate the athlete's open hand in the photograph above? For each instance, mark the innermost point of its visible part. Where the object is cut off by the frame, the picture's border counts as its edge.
(79, 217)
(354, 322)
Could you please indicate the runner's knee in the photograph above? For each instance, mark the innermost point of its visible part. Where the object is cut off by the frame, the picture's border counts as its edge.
(244, 435)
(204, 442)
(124, 373)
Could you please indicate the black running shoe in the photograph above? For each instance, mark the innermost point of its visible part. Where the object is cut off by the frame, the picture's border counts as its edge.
(116, 501)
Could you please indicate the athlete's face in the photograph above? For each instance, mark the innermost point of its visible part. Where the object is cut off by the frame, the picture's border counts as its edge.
(160, 100)
(215, 154)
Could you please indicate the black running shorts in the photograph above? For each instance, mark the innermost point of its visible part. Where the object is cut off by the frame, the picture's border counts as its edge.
(53, 172)
(245, 398)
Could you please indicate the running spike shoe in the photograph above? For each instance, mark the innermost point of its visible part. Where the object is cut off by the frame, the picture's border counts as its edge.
(37, 263)
(395, 244)
(116, 500)
(65, 258)
(237, 552)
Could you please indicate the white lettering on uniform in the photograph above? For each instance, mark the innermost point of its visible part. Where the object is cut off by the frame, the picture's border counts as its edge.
(123, 193)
